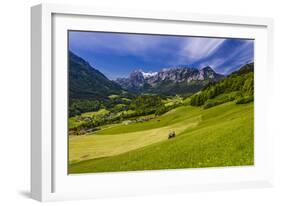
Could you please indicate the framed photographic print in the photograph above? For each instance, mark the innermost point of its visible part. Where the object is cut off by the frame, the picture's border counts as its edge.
(136, 102)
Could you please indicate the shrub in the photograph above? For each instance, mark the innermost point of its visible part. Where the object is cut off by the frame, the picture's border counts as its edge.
(245, 100)
(219, 100)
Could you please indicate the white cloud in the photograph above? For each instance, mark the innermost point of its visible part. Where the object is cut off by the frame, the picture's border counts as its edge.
(197, 48)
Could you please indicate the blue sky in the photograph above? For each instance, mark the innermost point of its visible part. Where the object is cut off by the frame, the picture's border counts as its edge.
(118, 54)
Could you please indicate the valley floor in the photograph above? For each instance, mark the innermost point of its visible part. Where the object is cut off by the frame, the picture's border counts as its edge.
(219, 136)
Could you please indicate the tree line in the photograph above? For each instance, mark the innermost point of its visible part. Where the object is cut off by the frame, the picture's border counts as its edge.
(242, 83)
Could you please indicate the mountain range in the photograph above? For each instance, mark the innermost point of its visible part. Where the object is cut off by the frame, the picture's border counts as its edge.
(86, 82)
(169, 80)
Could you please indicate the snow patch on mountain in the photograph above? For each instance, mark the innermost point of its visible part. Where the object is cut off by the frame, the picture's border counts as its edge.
(149, 74)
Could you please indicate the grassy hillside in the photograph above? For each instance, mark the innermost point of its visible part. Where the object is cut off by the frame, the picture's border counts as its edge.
(237, 86)
(218, 136)
(121, 138)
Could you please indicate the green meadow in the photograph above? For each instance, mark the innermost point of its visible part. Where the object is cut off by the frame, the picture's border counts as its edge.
(222, 135)
(168, 125)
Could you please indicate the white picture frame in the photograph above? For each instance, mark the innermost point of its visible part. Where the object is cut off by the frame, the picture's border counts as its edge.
(49, 181)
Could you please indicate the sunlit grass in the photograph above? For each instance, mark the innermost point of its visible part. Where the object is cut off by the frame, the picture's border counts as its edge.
(219, 136)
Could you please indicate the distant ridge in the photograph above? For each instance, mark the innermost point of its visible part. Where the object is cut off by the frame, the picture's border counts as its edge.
(86, 82)
(184, 78)
(245, 69)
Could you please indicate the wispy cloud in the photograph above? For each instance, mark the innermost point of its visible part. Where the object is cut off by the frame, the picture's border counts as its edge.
(117, 54)
(197, 48)
(231, 56)
(237, 57)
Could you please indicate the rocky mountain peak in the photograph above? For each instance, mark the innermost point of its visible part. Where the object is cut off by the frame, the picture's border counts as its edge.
(208, 73)
(207, 68)
(180, 74)
(136, 78)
